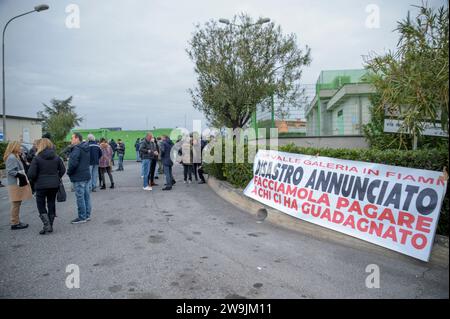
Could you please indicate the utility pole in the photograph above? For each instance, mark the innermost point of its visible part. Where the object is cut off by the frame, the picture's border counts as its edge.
(38, 8)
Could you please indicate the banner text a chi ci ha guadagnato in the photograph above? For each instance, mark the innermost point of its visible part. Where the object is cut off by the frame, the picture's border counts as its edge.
(394, 207)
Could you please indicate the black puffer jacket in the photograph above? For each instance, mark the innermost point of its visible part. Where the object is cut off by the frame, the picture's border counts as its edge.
(46, 170)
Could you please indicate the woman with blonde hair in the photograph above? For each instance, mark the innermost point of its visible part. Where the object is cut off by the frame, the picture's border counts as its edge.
(18, 186)
(45, 173)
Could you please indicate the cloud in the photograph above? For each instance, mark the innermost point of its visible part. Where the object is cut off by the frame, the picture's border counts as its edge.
(127, 64)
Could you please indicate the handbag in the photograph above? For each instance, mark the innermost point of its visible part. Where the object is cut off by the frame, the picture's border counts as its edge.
(22, 180)
(61, 196)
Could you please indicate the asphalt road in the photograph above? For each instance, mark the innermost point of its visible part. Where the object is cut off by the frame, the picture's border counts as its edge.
(189, 243)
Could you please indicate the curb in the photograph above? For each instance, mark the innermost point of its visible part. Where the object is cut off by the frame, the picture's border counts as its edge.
(439, 253)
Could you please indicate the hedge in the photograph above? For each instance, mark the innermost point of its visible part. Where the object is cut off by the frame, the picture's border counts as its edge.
(240, 174)
(2, 151)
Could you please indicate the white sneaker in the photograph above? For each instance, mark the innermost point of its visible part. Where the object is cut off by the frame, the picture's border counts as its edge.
(148, 188)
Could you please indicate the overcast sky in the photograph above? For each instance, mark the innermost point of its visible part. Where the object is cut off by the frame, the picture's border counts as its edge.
(126, 65)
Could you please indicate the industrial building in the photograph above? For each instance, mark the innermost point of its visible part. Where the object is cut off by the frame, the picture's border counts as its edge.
(341, 104)
(20, 128)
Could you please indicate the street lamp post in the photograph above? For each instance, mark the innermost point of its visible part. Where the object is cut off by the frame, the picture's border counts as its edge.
(259, 22)
(38, 8)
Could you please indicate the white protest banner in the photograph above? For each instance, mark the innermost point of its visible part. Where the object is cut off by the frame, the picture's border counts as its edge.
(394, 207)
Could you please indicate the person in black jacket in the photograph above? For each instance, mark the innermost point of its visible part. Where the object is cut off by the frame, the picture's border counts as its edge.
(120, 153)
(153, 162)
(44, 174)
(31, 152)
(137, 145)
(113, 145)
(166, 149)
(148, 153)
(95, 154)
(200, 165)
(80, 176)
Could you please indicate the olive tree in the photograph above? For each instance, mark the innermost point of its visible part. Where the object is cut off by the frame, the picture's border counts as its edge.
(240, 65)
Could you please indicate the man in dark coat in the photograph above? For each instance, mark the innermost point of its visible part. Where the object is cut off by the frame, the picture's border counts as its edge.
(148, 153)
(200, 168)
(95, 154)
(166, 148)
(153, 162)
(120, 153)
(137, 145)
(113, 145)
(78, 172)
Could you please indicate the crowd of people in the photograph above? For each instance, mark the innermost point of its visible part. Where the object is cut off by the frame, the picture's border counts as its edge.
(153, 152)
(38, 173)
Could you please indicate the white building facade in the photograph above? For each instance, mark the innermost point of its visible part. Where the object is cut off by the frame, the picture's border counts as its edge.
(341, 105)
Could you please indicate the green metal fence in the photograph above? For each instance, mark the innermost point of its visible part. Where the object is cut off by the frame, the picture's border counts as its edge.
(128, 137)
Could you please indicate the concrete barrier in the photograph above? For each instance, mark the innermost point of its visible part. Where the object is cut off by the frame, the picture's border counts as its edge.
(235, 196)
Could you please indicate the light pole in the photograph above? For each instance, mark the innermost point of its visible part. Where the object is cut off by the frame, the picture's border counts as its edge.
(38, 8)
(259, 22)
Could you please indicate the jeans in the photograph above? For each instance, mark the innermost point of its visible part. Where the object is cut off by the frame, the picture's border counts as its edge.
(145, 170)
(46, 201)
(168, 173)
(93, 169)
(83, 199)
(120, 162)
(138, 157)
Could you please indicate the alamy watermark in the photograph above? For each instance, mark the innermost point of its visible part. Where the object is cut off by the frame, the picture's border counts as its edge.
(73, 17)
(373, 17)
(373, 279)
(73, 279)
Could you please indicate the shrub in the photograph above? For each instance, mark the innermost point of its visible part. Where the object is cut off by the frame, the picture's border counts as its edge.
(2, 151)
(214, 169)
